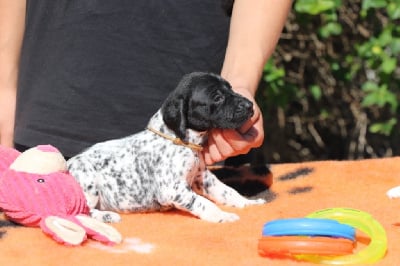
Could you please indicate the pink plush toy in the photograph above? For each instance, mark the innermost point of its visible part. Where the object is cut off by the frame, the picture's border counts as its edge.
(36, 190)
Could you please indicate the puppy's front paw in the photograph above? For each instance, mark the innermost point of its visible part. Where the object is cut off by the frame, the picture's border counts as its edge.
(394, 192)
(220, 217)
(255, 202)
(105, 216)
(243, 202)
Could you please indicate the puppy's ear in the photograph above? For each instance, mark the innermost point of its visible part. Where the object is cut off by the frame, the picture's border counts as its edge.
(174, 112)
(174, 115)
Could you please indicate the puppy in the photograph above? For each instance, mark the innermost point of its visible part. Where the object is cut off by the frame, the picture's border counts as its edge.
(162, 167)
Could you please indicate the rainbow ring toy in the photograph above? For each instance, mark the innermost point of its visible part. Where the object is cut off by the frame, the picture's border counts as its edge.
(290, 246)
(363, 221)
(308, 227)
(288, 237)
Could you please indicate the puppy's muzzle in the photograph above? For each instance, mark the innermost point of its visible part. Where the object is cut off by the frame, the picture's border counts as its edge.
(245, 107)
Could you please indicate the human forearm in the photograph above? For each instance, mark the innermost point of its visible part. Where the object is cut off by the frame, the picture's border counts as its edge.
(255, 29)
(7, 114)
(12, 21)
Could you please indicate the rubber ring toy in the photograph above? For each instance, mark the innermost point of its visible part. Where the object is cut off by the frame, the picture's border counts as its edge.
(288, 246)
(363, 221)
(308, 227)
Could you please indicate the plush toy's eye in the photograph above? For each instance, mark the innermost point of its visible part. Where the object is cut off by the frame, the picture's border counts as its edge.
(41, 180)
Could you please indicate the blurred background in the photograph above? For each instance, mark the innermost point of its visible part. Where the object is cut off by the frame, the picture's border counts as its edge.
(332, 88)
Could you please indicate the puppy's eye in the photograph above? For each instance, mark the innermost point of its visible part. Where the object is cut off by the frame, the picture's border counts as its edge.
(218, 98)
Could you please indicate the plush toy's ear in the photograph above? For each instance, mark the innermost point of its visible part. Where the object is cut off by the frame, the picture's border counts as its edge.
(7, 157)
(42, 159)
(74, 230)
(63, 230)
(99, 231)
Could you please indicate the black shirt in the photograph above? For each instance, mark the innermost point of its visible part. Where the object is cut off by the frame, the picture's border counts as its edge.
(93, 70)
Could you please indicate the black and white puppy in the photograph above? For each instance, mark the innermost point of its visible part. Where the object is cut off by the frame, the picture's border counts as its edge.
(162, 167)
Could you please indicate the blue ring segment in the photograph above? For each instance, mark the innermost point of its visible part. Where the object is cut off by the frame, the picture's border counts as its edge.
(309, 227)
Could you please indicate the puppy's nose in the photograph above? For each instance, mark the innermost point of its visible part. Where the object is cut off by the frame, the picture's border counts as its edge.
(245, 106)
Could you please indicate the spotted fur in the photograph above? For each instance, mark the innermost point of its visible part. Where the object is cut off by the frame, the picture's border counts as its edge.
(147, 172)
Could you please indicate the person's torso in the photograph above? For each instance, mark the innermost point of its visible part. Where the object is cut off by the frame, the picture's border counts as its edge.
(93, 70)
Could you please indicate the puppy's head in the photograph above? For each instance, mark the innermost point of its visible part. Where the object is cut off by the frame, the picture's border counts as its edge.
(203, 101)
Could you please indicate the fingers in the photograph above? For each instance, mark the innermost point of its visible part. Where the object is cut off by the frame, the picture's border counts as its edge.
(219, 147)
(227, 143)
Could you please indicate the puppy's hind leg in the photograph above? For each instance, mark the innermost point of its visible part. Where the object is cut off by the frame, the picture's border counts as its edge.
(221, 193)
(87, 176)
(105, 216)
(185, 199)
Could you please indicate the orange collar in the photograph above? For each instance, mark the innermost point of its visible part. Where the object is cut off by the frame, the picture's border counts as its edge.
(177, 141)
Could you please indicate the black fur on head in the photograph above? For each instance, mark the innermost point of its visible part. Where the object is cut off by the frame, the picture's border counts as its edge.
(203, 101)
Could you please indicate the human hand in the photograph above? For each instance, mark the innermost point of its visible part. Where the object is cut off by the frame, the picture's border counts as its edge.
(224, 143)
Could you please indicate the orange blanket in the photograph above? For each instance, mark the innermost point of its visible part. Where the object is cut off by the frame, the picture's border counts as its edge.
(176, 238)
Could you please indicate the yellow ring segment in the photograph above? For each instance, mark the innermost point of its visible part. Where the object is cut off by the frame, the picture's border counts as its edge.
(363, 221)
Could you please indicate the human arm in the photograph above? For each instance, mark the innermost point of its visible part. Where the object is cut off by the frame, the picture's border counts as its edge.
(12, 24)
(255, 29)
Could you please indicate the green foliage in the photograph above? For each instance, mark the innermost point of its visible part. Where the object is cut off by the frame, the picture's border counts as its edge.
(380, 55)
(315, 7)
(369, 63)
(367, 4)
(274, 94)
(326, 10)
(316, 92)
(379, 96)
(384, 128)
